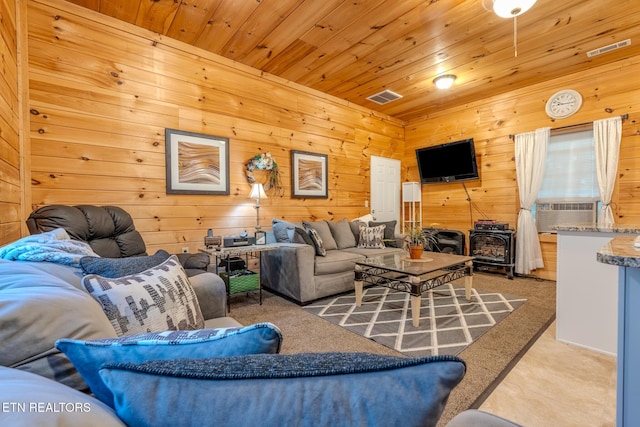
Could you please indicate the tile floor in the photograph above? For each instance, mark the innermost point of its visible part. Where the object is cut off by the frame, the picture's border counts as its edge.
(558, 385)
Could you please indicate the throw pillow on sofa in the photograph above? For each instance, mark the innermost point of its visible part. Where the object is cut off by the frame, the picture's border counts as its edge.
(281, 229)
(317, 242)
(301, 236)
(389, 231)
(157, 299)
(323, 230)
(89, 356)
(118, 267)
(311, 389)
(371, 237)
(341, 232)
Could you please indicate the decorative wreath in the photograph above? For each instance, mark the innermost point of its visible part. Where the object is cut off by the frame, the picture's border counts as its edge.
(265, 162)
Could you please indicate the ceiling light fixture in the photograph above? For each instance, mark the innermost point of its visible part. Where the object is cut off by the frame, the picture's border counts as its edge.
(444, 81)
(512, 9)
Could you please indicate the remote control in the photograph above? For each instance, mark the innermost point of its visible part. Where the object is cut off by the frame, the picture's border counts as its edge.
(636, 242)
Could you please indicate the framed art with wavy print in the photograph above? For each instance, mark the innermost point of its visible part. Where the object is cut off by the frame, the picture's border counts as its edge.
(196, 163)
(309, 175)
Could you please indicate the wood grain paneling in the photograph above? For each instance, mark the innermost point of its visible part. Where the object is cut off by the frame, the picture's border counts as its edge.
(354, 49)
(102, 93)
(10, 149)
(607, 91)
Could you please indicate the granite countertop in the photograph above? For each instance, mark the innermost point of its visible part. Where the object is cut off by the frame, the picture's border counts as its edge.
(615, 228)
(620, 251)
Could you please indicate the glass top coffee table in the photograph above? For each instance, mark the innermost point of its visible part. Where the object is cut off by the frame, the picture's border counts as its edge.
(415, 277)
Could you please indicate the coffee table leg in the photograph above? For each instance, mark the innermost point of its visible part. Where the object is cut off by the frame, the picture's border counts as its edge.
(358, 286)
(415, 309)
(416, 300)
(468, 281)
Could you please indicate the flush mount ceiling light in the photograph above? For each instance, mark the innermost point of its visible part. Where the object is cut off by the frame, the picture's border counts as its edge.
(444, 81)
(511, 9)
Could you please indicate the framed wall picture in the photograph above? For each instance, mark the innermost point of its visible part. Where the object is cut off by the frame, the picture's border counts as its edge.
(196, 163)
(309, 175)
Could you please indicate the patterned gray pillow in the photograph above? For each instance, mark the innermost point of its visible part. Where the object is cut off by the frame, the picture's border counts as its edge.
(158, 299)
(317, 242)
(371, 237)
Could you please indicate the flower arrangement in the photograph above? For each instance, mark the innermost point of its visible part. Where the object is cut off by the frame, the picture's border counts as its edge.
(265, 162)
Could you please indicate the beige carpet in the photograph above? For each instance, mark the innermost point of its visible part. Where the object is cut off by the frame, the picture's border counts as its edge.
(487, 358)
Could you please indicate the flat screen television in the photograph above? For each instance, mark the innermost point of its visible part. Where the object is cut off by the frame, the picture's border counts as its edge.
(450, 162)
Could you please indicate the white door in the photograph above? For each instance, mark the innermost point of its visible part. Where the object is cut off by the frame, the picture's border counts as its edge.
(385, 189)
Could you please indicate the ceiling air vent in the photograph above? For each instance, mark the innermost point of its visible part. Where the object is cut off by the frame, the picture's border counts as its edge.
(609, 48)
(384, 97)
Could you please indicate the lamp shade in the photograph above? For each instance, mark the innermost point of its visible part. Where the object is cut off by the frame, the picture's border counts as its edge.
(257, 191)
(511, 8)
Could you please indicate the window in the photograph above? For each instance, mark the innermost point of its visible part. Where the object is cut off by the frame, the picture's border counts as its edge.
(569, 192)
(570, 168)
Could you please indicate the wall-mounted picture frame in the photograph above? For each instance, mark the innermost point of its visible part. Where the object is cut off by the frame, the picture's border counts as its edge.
(309, 175)
(196, 163)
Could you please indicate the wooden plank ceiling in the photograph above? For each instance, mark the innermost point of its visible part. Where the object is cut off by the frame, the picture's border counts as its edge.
(355, 48)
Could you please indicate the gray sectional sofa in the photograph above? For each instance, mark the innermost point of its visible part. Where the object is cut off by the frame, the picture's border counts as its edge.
(300, 272)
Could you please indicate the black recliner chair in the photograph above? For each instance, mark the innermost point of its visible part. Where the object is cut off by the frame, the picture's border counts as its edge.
(109, 230)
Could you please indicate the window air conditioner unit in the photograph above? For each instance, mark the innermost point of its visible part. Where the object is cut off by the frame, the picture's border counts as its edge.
(550, 214)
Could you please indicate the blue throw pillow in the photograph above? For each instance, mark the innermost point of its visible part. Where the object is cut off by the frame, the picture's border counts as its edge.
(309, 389)
(118, 267)
(89, 356)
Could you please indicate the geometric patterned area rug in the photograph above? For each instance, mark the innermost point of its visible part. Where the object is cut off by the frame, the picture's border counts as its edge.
(448, 322)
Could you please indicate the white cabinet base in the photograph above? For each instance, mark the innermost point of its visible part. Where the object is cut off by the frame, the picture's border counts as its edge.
(586, 293)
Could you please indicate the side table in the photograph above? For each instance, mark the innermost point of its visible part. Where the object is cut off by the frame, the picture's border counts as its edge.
(243, 280)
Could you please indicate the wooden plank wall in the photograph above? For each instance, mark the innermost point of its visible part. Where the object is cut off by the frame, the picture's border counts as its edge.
(607, 91)
(103, 91)
(10, 186)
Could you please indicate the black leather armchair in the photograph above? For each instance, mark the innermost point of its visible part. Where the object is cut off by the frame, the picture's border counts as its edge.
(109, 230)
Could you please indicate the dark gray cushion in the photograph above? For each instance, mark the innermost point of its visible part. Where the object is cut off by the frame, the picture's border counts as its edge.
(312, 389)
(323, 230)
(301, 236)
(342, 234)
(118, 267)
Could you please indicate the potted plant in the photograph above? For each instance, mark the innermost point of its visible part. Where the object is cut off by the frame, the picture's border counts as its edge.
(416, 239)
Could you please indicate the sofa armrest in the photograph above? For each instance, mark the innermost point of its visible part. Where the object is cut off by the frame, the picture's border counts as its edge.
(211, 293)
(198, 261)
(286, 268)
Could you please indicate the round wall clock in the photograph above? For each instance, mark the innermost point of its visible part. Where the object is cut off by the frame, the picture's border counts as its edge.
(563, 104)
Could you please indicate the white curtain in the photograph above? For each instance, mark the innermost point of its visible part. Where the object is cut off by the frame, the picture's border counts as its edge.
(607, 134)
(531, 152)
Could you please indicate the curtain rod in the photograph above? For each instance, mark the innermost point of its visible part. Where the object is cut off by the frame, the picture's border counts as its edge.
(623, 117)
